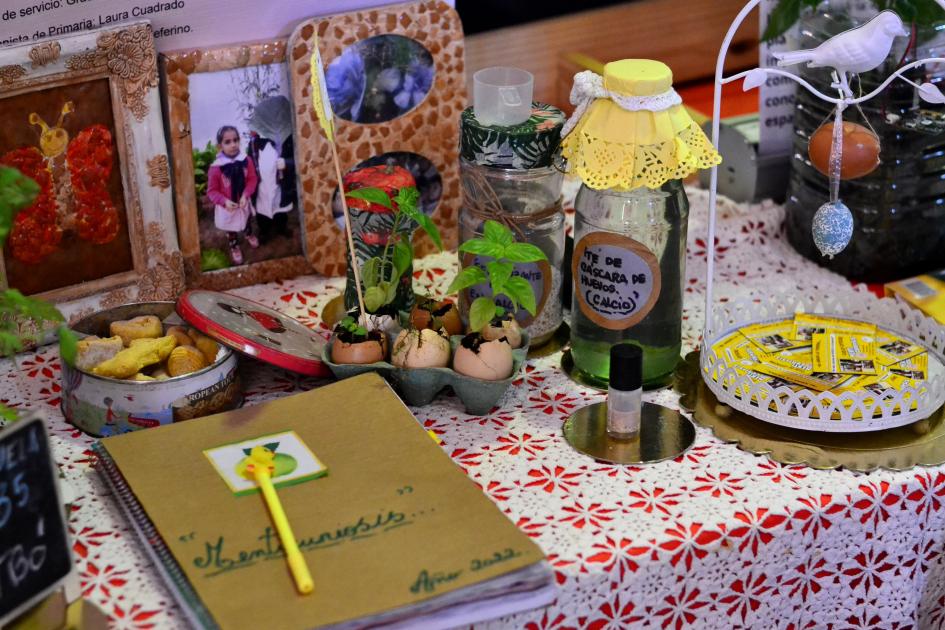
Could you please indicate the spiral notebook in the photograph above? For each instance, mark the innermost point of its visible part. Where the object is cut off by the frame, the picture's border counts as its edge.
(395, 534)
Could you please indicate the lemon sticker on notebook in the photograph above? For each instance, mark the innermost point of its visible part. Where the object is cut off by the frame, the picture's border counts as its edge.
(288, 458)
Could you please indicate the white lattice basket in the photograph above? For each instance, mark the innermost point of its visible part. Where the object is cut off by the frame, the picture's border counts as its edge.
(826, 411)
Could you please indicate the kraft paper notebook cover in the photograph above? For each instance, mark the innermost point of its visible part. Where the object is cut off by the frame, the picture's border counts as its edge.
(395, 533)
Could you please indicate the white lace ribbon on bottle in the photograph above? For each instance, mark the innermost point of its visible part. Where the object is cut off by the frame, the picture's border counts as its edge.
(589, 86)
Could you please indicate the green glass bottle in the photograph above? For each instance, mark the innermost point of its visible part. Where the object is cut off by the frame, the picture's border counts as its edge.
(628, 273)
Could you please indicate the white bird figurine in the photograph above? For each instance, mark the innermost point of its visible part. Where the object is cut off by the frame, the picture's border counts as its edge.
(858, 50)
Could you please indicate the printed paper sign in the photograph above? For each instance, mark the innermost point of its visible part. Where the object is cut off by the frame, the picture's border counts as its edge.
(617, 279)
(176, 23)
(290, 461)
(776, 97)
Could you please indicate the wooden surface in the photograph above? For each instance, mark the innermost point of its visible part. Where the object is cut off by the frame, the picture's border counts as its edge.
(685, 34)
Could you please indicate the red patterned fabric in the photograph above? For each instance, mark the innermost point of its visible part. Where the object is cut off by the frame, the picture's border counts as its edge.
(717, 538)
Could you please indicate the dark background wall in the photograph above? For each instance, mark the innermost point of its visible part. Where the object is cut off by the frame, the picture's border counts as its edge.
(485, 15)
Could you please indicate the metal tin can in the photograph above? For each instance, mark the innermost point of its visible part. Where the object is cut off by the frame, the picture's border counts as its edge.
(103, 406)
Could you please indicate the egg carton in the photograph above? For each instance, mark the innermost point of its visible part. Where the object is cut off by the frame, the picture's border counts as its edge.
(419, 386)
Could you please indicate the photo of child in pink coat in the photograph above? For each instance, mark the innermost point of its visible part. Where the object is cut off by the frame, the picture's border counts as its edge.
(244, 172)
(231, 182)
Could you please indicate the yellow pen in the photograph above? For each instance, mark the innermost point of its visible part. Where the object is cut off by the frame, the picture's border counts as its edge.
(293, 556)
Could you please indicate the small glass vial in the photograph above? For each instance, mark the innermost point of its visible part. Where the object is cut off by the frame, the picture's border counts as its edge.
(625, 392)
(507, 176)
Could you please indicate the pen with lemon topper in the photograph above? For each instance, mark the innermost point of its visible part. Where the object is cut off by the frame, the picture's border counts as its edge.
(259, 465)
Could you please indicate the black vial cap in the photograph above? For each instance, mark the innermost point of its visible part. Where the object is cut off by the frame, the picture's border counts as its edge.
(626, 367)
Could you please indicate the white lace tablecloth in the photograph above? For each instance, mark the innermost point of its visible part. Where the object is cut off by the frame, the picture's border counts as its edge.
(717, 538)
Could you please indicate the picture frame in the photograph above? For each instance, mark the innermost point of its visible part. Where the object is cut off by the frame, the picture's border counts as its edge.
(102, 231)
(425, 133)
(182, 71)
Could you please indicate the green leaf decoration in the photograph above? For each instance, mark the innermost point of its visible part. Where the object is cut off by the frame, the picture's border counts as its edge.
(213, 259)
(17, 191)
(783, 17)
(407, 198)
(495, 232)
(68, 345)
(403, 256)
(7, 415)
(468, 277)
(10, 343)
(371, 195)
(524, 252)
(520, 290)
(499, 274)
(390, 291)
(374, 298)
(481, 312)
(481, 247)
(426, 224)
(371, 272)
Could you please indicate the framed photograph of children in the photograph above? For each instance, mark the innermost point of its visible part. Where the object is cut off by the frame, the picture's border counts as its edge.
(82, 117)
(396, 81)
(232, 144)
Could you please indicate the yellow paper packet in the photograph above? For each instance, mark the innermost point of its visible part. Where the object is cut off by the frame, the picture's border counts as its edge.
(841, 353)
(736, 350)
(819, 382)
(891, 349)
(916, 368)
(806, 325)
(772, 338)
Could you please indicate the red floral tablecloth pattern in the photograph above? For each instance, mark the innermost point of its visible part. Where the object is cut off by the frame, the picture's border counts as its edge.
(717, 538)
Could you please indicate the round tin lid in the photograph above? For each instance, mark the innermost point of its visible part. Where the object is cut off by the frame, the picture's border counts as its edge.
(254, 329)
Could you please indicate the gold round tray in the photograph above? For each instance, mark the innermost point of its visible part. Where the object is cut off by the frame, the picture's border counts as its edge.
(919, 444)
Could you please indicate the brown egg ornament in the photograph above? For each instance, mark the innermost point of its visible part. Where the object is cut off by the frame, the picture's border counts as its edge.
(860, 150)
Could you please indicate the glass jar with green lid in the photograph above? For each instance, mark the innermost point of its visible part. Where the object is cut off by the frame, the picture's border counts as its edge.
(507, 176)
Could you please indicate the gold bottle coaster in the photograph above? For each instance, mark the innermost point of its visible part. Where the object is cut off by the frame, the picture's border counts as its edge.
(918, 444)
(664, 434)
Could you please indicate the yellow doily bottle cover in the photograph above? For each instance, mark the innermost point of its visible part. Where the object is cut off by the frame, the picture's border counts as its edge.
(630, 129)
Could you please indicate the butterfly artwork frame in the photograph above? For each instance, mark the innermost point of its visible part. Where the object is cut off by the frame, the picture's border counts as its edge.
(422, 135)
(189, 75)
(82, 117)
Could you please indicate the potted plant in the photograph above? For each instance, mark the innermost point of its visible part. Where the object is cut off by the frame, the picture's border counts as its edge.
(486, 352)
(491, 315)
(381, 276)
(355, 344)
(429, 312)
(24, 320)
(422, 348)
(386, 217)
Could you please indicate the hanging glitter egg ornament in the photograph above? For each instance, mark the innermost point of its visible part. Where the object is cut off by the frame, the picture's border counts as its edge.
(832, 228)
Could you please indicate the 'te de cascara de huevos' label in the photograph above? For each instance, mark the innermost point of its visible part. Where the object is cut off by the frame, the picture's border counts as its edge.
(617, 279)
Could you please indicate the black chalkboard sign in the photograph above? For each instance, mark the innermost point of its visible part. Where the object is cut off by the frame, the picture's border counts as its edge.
(35, 553)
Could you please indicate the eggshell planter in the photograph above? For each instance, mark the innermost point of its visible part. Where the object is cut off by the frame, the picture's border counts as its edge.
(103, 406)
(419, 386)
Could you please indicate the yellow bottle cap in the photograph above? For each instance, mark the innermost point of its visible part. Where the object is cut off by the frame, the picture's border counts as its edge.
(637, 77)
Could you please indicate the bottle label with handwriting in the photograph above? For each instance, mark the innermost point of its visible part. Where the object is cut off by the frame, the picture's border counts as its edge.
(617, 279)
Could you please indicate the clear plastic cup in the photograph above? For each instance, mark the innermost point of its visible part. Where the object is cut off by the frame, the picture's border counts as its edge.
(502, 96)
